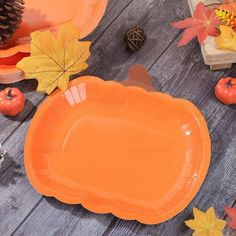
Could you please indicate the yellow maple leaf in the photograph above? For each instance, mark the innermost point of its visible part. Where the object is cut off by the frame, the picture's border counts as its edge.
(227, 38)
(54, 59)
(206, 224)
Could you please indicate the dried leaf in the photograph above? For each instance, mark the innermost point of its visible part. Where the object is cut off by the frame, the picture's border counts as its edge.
(54, 60)
(206, 224)
(232, 214)
(227, 39)
(203, 23)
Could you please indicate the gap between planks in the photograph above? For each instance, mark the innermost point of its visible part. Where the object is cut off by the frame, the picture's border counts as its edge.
(27, 216)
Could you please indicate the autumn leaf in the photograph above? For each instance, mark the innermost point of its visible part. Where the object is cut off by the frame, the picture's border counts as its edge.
(54, 59)
(227, 39)
(232, 214)
(203, 23)
(206, 224)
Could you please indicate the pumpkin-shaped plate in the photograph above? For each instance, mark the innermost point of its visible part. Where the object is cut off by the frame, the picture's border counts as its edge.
(137, 154)
(43, 15)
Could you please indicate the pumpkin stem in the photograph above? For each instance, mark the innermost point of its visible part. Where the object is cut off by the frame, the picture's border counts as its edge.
(9, 94)
(230, 83)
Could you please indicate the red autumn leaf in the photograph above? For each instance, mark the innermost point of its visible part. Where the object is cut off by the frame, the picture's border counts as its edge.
(203, 23)
(232, 214)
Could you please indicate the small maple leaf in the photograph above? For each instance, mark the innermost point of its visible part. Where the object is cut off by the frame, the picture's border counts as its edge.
(227, 39)
(206, 224)
(204, 22)
(232, 214)
(54, 59)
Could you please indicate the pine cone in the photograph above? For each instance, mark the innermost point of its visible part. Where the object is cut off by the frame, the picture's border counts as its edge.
(11, 12)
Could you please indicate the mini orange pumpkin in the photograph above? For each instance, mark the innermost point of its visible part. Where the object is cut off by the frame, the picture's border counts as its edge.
(225, 90)
(12, 101)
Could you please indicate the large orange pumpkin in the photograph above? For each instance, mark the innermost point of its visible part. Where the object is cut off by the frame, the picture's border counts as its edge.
(225, 90)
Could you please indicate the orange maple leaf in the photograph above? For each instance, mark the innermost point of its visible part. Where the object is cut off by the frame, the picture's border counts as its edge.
(203, 23)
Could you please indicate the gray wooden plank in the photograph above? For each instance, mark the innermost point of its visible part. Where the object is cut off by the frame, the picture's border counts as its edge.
(182, 73)
(66, 220)
(17, 197)
(155, 45)
(114, 9)
(110, 58)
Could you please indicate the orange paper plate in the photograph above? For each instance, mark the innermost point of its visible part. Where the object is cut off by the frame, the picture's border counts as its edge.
(44, 15)
(137, 154)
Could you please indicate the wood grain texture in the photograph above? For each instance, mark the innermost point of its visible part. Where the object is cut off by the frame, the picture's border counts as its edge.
(180, 72)
(17, 196)
(112, 60)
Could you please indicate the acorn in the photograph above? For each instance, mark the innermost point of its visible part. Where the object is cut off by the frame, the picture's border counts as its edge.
(11, 12)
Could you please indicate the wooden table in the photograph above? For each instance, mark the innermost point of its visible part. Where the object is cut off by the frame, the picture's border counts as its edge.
(180, 72)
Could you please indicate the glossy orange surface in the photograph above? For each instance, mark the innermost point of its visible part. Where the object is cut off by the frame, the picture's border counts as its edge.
(137, 154)
(44, 14)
